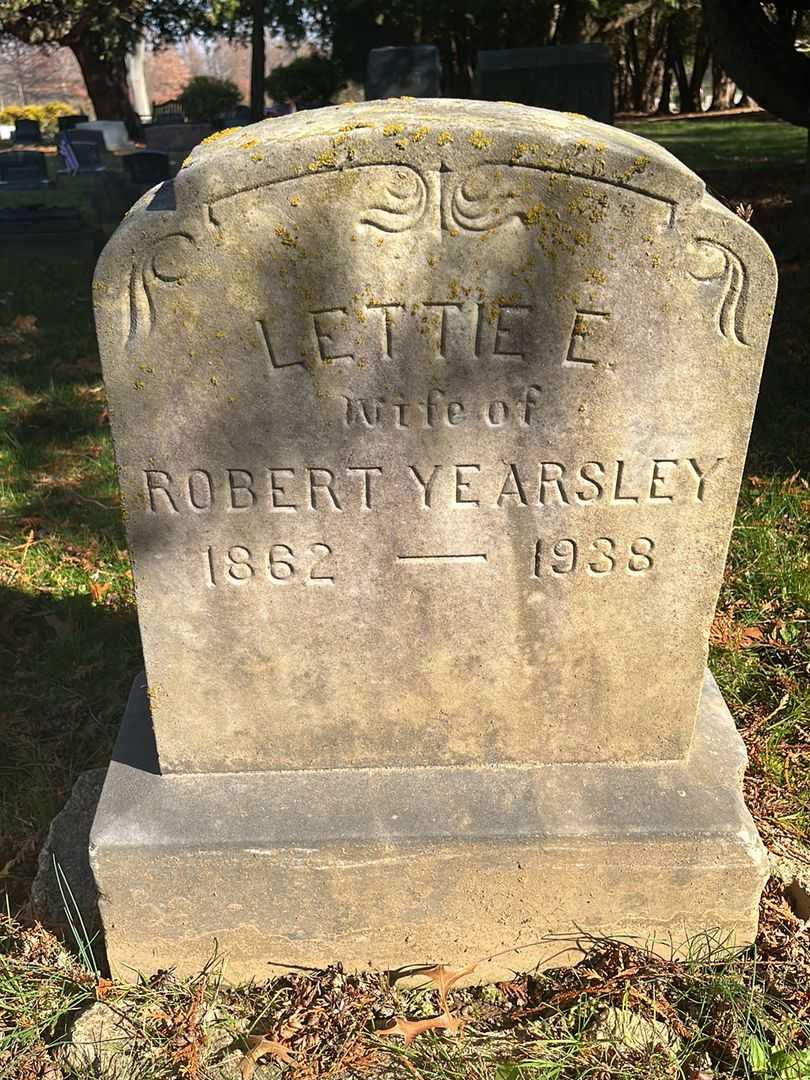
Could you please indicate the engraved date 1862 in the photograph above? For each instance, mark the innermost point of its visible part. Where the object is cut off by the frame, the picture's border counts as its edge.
(279, 564)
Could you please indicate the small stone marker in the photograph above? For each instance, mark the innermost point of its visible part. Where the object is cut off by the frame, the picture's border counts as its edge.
(430, 420)
(403, 71)
(572, 78)
(23, 169)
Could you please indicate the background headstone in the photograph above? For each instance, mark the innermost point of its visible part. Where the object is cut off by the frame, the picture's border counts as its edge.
(23, 169)
(65, 123)
(146, 167)
(406, 71)
(174, 138)
(571, 78)
(113, 132)
(88, 147)
(430, 421)
(27, 131)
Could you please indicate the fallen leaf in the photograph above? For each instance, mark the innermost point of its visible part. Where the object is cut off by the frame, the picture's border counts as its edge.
(444, 978)
(260, 1045)
(409, 1029)
(97, 590)
(750, 636)
(26, 324)
(103, 987)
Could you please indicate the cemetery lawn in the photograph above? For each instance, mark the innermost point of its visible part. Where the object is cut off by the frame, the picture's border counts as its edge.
(69, 648)
(745, 141)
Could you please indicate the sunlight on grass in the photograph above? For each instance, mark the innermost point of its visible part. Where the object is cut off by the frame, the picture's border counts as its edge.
(725, 144)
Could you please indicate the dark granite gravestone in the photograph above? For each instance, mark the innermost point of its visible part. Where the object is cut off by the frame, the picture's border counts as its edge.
(88, 147)
(48, 230)
(570, 78)
(410, 71)
(177, 138)
(66, 123)
(146, 167)
(23, 169)
(27, 131)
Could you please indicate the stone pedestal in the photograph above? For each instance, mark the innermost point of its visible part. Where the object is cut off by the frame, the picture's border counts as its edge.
(398, 866)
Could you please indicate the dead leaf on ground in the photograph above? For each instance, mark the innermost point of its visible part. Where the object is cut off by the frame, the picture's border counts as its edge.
(98, 589)
(26, 324)
(260, 1046)
(410, 1029)
(103, 987)
(444, 978)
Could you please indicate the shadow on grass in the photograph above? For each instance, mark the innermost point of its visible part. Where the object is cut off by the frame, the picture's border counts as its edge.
(66, 668)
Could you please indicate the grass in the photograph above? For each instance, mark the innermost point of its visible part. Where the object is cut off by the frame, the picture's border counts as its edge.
(726, 144)
(69, 647)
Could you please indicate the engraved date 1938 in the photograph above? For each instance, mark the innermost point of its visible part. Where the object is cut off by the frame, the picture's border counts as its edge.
(600, 556)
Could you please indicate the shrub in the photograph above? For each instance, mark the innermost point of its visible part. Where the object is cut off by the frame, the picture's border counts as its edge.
(46, 114)
(206, 99)
(308, 79)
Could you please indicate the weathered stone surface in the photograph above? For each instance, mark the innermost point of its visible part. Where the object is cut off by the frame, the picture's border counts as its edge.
(572, 78)
(57, 903)
(430, 419)
(411, 70)
(411, 865)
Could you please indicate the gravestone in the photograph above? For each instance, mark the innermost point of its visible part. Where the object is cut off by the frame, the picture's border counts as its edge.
(88, 147)
(27, 131)
(23, 169)
(430, 421)
(146, 166)
(572, 78)
(67, 123)
(113, 132)
(174, 138)
(406, 71)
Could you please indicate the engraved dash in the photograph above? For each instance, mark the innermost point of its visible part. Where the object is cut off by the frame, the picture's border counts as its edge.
(475, 557)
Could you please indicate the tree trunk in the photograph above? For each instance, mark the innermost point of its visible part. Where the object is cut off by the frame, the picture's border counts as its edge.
(723, 88)
(571, 25)
(106, 82)
(759, 58)
(257, 62)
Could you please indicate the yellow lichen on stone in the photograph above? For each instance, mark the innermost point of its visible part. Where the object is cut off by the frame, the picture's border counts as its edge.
(246, 145)
(393, 129)
(295, 200)
(598, 277)
(285, 236)
(419, 134)
(443, 138)
(187, 161)
(479, 140)
(257, 156)
(214, 380)
(327, 159)
(401, 144)
(217, 135)
(535, 214)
